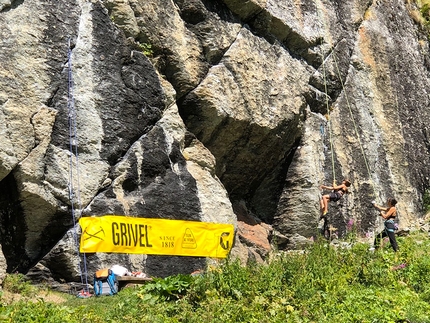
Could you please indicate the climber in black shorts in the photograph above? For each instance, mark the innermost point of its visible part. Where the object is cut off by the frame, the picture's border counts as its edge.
(336, 195)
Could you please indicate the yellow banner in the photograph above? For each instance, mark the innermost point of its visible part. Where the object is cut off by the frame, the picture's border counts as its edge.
(122, 234)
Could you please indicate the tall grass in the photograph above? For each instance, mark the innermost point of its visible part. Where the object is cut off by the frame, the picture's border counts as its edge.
(321, 284)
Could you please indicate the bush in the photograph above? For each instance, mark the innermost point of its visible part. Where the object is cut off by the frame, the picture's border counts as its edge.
(322, 284)
(426, 201)
(16, 283)
(169, 288)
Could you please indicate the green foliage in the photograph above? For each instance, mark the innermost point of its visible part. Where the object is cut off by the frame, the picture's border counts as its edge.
(16, 283)
(145, 48)
(169, 288)
(425, 10)
(322, 284)
(426, 201)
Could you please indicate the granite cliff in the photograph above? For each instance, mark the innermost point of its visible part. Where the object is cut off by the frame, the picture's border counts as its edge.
(221, 111)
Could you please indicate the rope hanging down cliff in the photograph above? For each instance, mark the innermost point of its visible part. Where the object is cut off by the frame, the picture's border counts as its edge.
(74, 193)
(329, 122)
(355, 125)
(333, 54)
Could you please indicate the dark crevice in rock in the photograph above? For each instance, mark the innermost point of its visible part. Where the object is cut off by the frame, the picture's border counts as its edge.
(36, 142)
(12, 226)
(265, 198)
(15, 230)
(61, 221)
(13, 5)
(51, 99)
(318, 100)
(192, 12)
(15, 213)
(197, 11)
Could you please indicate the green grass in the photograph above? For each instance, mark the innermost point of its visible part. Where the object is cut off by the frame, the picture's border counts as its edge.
(426, 201)
(323, 284)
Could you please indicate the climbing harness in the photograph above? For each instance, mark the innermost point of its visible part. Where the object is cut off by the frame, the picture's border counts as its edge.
(74, 192)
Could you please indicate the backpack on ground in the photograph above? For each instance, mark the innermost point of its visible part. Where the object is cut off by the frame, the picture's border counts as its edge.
(105, 282)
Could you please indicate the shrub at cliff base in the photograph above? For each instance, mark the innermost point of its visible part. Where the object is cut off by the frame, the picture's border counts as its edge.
(322, 284)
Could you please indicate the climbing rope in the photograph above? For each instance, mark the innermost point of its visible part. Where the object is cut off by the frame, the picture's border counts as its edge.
(320, 10)
(73, 148)
(355, 125)
(328, 120)
(358, 136)
(351, 116)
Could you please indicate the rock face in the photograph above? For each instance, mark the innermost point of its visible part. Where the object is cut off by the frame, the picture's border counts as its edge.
(220, 111)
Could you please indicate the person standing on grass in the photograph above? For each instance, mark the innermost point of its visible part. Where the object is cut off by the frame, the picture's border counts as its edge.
(389, 214)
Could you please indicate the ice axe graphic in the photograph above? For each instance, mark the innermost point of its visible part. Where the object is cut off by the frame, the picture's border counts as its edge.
(94, 235)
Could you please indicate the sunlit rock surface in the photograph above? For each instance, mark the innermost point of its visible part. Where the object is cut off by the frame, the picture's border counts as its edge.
(187, 109)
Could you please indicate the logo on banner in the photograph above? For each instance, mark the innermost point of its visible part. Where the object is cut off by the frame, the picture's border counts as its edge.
(223, 240)
(188, 241)
(96, 234)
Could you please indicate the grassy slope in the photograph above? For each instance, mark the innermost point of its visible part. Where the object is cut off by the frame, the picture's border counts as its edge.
(323, 284)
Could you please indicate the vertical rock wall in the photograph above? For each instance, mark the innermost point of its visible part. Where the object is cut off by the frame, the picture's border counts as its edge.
(184, 108)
